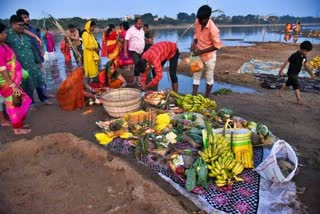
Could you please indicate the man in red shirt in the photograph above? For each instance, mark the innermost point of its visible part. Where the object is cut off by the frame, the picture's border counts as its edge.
(156, 56)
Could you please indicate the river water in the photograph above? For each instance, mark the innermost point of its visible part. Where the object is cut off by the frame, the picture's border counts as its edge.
(56, 72)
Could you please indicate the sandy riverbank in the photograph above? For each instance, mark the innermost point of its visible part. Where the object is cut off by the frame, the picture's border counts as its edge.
(297, 124)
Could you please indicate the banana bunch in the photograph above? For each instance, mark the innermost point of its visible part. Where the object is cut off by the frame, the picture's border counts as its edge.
(196, 103)
(225, 169)
(162, 121)
(218, 146)
(315, 62)
(220, 159)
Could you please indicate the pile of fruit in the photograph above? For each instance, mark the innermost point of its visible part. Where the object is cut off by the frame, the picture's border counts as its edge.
(192, 103)
(220, 159)
(155, 97)
(315, 62)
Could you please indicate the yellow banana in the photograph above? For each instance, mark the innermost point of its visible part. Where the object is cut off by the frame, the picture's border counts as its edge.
(237, 169)
(212, 174)
(236, 178)
(220, 177)
(224, 174)
(220, 183)
(231, 165)
(217, 165)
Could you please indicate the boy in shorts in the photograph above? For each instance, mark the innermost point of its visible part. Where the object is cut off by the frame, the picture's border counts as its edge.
(295, 62)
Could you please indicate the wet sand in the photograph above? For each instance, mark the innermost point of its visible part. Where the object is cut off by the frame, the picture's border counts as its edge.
(297, 124)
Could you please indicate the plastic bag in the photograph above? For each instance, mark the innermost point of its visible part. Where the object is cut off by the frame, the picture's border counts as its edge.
(196, 64)
(269, 168)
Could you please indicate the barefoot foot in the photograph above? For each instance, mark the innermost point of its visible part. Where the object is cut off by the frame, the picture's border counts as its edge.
(21, 131)
(5, 123)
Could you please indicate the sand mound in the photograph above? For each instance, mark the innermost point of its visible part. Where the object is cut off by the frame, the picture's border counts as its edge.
(61, 173)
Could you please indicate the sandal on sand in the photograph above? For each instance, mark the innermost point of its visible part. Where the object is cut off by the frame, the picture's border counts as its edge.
(26, 126)
(5, 123)
(47, 102)
(21, 131)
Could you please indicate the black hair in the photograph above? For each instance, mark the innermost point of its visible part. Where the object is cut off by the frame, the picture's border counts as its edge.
(146, 25)
(204, 12)
(137, 19)
(81, 32)
(15, 19)
(21, 12)
(2, 27)
(306, 45)
(71, 26)
(141, 66)
(110, 28)
(107, 68)
(125, 25)
(93, 23)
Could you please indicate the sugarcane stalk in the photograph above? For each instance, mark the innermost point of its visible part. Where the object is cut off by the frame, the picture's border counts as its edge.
(58, 25)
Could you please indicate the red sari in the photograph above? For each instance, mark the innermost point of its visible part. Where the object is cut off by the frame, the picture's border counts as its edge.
(65, 49)
(110, 46)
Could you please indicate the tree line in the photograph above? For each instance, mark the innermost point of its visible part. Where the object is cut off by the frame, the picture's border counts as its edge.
(181, 18)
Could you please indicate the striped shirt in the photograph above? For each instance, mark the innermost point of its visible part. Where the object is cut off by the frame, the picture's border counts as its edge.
(207, 37)
(155, 55)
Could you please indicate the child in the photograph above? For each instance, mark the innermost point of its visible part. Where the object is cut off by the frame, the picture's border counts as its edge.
(295, 62)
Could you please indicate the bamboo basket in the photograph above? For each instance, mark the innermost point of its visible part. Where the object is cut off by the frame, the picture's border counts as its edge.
(119, 102)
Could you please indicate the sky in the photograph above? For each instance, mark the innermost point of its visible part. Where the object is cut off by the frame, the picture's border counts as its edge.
(170, 8)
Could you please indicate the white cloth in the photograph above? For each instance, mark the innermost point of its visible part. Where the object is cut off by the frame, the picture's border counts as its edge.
(49, 56)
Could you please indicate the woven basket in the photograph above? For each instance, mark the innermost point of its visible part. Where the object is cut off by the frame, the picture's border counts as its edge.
(119, 102)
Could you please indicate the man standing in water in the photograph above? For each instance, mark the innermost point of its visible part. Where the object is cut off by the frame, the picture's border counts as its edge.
(206, 42)
(135, 39)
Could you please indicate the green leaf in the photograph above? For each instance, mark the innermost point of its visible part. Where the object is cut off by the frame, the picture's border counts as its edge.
(191, 179)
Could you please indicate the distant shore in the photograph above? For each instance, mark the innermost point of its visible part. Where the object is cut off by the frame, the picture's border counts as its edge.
(185, 26)
(223, 25)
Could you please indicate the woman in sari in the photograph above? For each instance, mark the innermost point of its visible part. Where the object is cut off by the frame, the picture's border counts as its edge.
(110, 77)
(110, 44)
(65, 50)
(90, 50)
(11, 74)
(73, 90)
(124, 61)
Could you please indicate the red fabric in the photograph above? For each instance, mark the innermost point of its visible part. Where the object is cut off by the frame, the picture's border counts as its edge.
(102, 81)
(50, 42)
(104, 45)
(107, 48)
(111, 37)
(122, 60)
(65, 49)
(70, 94)
(155, 55)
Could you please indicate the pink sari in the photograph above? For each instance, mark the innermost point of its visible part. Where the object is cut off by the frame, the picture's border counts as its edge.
(9, 63)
